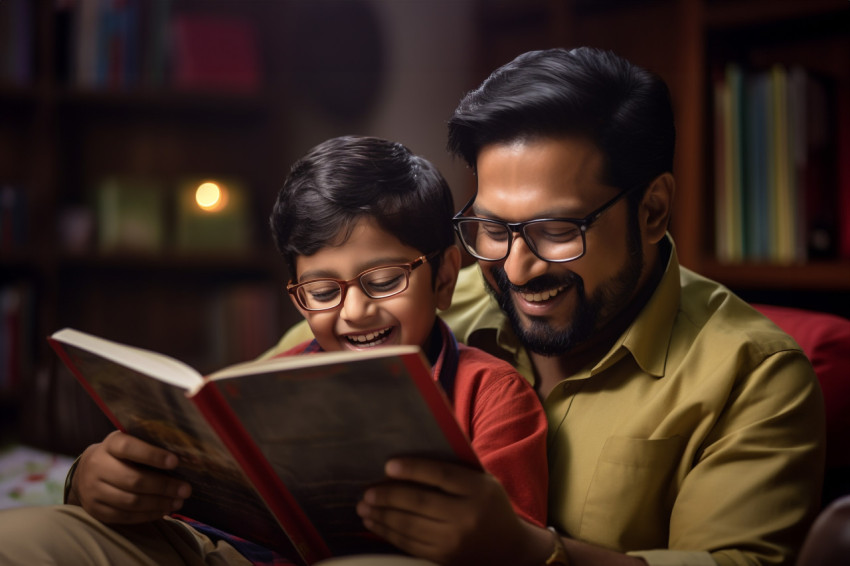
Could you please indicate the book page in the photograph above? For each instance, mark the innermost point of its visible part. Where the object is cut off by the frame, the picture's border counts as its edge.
(313, 360)
(327, 432)
(159, 366)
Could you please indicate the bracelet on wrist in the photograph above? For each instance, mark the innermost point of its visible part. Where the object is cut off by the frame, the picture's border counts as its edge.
(559, 554)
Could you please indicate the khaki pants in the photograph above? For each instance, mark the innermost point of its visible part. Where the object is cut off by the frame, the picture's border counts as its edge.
(67, 535)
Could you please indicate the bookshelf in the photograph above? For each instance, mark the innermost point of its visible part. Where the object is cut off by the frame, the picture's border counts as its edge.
(133, 114)
(686, 41)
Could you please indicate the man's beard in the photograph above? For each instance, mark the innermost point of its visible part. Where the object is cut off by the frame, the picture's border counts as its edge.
(539, 335)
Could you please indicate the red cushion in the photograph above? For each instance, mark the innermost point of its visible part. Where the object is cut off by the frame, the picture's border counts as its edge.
(825, 338)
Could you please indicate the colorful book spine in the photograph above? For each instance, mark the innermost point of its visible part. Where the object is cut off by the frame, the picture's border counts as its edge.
(780, 172)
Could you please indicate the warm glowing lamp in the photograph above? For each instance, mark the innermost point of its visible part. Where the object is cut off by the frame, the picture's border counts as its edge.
(212, 215)
(210, 196)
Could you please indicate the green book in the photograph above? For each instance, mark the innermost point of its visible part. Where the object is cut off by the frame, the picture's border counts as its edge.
(130, 215)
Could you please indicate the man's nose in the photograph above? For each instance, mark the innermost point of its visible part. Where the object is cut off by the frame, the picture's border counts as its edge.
(522, 265)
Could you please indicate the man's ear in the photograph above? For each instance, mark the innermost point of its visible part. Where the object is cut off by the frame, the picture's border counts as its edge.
(444, 285)
(656, 207)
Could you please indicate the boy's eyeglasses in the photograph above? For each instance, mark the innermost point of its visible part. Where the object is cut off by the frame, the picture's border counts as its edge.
(377, 282)
(556, 240)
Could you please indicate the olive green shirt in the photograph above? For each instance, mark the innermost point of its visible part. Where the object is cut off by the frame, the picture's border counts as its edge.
(697, 440)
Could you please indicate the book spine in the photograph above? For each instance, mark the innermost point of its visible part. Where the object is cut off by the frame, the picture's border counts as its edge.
(304, 537)
(442, 411)
(735, 161)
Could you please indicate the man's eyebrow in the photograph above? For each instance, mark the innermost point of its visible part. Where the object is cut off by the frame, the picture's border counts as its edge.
(482, 212)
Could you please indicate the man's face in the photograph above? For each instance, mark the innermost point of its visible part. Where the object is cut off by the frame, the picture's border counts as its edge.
(555, 307)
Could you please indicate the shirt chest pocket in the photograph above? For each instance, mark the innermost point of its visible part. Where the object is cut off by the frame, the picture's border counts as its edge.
(631, 494)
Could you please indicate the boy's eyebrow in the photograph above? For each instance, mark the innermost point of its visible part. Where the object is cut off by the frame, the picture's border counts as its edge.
(334, 274)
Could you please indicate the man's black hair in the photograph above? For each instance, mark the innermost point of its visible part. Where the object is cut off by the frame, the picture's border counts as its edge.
(622, 109)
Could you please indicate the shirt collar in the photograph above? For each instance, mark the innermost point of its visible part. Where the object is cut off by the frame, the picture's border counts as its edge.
(648, 337)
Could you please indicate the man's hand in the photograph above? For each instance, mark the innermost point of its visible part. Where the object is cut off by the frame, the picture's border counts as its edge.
(121, 480)
(450, 515)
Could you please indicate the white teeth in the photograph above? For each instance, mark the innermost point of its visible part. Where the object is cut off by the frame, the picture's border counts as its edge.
(368, 337)
(542, 296)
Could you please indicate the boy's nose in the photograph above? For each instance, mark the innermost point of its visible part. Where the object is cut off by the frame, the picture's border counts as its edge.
(356, 304)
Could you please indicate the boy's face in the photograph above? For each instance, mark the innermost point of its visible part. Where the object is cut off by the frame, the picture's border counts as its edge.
(361, 322)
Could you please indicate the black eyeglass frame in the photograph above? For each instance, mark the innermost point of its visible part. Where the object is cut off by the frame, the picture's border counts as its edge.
(409, 267)
(519, 227)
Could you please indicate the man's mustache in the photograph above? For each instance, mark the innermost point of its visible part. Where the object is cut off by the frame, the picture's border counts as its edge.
(538, 284)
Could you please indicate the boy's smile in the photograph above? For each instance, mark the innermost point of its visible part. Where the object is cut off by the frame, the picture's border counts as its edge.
(370, 339)
(361, 322)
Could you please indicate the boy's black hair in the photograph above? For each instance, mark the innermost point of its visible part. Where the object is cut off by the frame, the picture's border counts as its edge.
(345, 179)
(621, 108)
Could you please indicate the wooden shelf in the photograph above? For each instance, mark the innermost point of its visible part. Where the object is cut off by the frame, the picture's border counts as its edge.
(738, 13)
(168, 103)
(810, 276)
(249, 264)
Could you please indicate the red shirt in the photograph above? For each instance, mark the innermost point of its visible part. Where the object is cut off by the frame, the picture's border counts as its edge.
(499, 412)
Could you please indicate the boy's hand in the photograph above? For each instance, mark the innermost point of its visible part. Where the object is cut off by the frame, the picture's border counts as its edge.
(119, 481)
(447, 514)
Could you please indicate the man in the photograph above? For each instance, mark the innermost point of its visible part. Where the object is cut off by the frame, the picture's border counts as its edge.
(684, 428)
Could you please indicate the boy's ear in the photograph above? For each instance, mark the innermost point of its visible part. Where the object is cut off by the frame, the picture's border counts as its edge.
(296, 305)
(444, 285)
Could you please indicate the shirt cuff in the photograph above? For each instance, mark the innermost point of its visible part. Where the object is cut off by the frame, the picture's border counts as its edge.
(68, 479)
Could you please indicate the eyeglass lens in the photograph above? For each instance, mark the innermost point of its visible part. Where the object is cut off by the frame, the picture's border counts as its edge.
(377, 284)
(555, 240)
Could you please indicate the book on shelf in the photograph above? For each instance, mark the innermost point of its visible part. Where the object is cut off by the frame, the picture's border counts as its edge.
(277, 451)
(727, 86)
(16, 42)
(757, 166)
(244, 318)
(844, 172)
(17, 319)
(215, 52)
(14, 218)
(819, 182)
(775, 174)
(782, 188)
(130, 215)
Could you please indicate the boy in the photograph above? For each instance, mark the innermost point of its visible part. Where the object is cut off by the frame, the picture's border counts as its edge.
(365, 229)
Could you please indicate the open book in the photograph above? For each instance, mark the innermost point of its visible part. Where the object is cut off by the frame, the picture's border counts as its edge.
(277, 451)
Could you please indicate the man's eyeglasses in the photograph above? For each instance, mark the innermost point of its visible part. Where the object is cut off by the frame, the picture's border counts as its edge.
(377, 282)
(556, 240)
